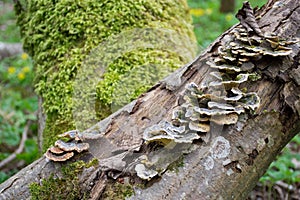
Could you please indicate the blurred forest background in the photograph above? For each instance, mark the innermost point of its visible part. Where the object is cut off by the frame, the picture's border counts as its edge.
(18, 102)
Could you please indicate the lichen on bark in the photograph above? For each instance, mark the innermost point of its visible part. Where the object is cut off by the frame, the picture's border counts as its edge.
(59, 35)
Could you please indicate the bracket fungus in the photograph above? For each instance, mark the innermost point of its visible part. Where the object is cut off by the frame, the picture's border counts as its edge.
(220, 99)
(58, 157)
(63, 151)
(236, 64)
(145, 173)
(78, 147)
(164, 132)
(73, 134)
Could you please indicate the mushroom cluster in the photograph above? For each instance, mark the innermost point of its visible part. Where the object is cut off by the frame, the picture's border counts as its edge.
(221, 99)
(62, 151)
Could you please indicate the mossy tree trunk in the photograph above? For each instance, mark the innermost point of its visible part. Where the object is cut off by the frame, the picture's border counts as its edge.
(60, 36)
(226, 165)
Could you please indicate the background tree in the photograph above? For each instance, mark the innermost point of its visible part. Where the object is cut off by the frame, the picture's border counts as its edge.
(59, 52)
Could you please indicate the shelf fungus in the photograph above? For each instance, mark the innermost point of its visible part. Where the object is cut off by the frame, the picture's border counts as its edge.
(145, 173)
(164, 132)
(219, 99)
(58, 157)
(62, 151)
(73, 134)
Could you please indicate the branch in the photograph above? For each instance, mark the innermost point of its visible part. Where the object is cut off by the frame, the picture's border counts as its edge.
(19, 149)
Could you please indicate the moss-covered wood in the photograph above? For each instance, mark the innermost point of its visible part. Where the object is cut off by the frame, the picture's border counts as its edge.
(67, 186)
(59, 35)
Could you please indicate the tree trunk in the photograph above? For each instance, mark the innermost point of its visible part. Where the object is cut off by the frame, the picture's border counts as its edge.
(225, 163)
(61, 37)
(227, 6)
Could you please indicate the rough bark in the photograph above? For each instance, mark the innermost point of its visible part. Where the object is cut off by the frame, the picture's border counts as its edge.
(252, 148)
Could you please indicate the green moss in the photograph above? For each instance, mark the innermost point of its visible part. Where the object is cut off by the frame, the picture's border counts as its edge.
(51, 132)
(176, 164)
(94, 162)
(136, 71)
(66, 187)
(117, 191)
(59, 35)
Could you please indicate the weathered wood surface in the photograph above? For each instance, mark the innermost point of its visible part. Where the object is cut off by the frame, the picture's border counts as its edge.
(252, 148)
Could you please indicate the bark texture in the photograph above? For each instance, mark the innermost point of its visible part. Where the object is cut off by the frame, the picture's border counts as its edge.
(252, 143)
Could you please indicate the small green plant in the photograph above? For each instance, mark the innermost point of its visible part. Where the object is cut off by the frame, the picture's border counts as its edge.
(18, 101)
(17, 106)
(284, 168)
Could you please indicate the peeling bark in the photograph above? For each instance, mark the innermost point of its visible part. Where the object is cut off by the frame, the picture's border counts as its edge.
(230, 163)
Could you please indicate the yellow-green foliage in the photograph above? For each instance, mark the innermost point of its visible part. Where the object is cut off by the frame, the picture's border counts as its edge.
(138, 80)
(59, 34)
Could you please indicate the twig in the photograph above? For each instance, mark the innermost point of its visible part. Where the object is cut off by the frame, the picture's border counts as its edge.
(20, 148)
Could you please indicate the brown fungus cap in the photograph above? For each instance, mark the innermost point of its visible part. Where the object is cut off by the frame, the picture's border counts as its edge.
(73, 134)
(58, 157)
(68, 146)
(56, 150)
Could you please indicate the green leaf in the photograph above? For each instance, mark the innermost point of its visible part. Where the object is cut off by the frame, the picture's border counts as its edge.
(3, 176)
(31, 152)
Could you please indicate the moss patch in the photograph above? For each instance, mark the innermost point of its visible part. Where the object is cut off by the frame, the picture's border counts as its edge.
(62, 188)
(60, 34)
(117, 191)
(176, 164)
(136, 71)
